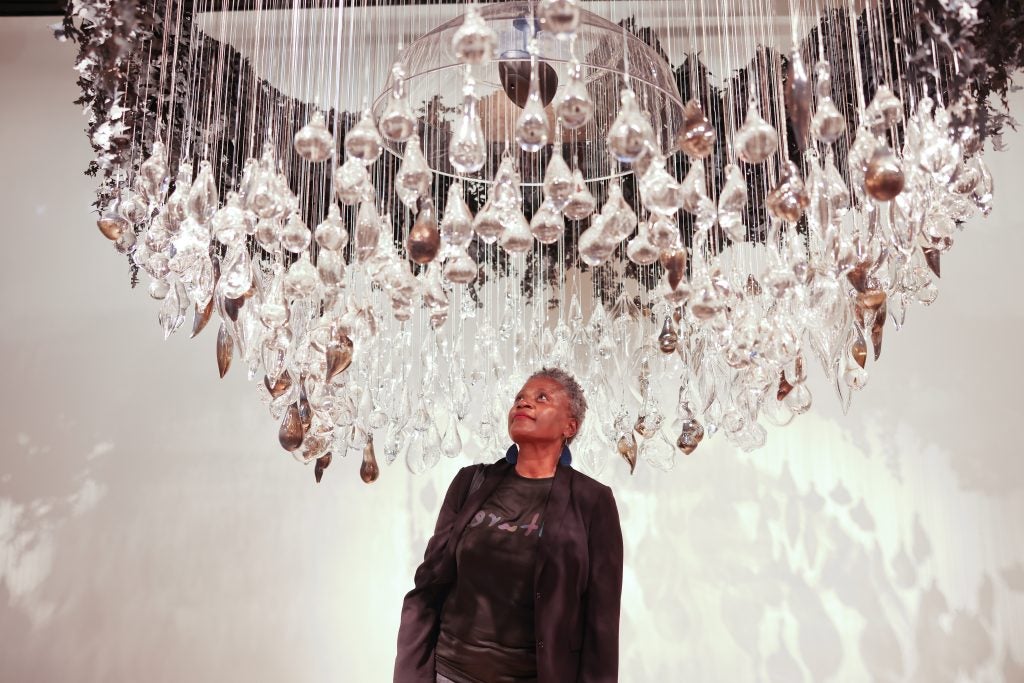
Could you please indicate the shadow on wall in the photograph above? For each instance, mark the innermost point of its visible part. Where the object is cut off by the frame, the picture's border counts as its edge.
(742, 575)
(35, 507)
(32, 510)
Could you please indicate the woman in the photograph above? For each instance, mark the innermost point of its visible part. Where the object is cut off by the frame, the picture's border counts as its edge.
(522, 578)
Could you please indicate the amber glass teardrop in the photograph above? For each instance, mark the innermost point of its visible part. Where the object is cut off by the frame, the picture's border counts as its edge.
(369, 470)
(291, 433)
(225, 345)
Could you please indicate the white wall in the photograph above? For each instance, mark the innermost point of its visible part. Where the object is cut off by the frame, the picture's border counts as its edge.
(152, 530)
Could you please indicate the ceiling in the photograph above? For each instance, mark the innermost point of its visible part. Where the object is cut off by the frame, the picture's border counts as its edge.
(29, 8)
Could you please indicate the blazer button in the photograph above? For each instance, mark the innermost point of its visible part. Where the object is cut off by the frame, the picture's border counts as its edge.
(538, 596)
(540, 644)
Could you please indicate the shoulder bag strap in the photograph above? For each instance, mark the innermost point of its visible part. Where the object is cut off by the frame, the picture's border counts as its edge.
(478, 480)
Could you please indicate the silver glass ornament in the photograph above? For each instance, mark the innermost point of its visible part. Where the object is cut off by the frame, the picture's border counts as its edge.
(474, 41)
(560, 17)
(363, 141)
(467, 150)
(397, 122)
(574, 106)
(630, 132)
(314, 141)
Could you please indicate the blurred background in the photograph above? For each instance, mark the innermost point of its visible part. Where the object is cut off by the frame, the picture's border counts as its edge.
(150, 529)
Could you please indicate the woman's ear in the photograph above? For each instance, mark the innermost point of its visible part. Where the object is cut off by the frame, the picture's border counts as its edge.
(571, 428)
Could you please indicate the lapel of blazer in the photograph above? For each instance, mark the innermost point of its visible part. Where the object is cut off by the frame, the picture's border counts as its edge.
(493, 475)
(554, 514)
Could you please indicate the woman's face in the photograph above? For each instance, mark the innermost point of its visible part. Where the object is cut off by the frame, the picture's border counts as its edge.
(540, 413)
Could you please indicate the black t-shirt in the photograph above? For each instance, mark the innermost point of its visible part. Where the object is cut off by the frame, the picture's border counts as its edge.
(487, 623)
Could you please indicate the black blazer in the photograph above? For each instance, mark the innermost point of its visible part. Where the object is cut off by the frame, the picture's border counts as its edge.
(578, 578)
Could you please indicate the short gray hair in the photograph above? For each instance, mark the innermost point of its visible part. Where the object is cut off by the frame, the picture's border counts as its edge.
(572, 388)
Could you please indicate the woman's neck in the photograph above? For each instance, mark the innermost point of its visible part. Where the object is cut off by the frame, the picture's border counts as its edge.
(538, 460)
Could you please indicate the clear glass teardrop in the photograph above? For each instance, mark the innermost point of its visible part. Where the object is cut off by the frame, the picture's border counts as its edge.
(467, 150)
(413, 179)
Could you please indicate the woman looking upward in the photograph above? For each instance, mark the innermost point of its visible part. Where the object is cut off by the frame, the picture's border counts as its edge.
(522, 578)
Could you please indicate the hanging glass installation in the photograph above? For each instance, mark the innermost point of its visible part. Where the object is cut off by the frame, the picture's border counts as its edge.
(394, 212)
